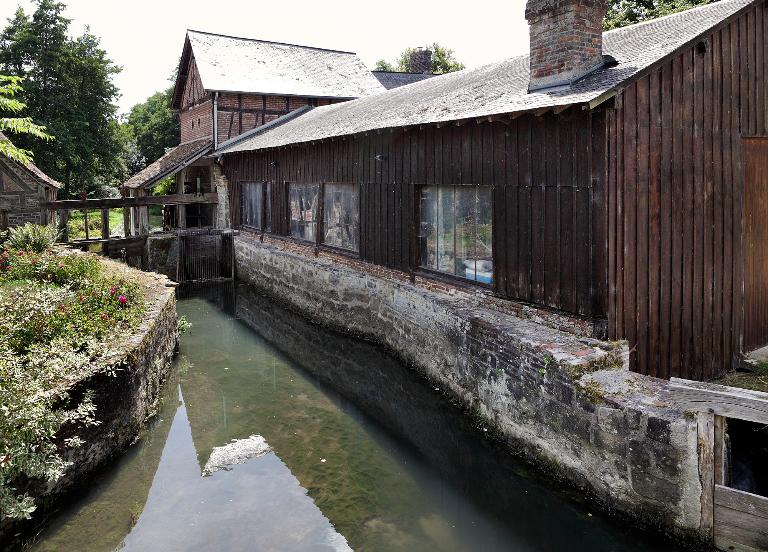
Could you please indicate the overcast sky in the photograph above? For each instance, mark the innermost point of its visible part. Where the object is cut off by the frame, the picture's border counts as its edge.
(146, 37)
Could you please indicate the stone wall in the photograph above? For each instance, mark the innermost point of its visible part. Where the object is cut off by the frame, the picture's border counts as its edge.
(566, 403)
(124, 398)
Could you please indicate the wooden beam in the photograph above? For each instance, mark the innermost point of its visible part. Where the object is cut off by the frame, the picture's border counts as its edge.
(725, 401)
(119, 202)
(706, 445)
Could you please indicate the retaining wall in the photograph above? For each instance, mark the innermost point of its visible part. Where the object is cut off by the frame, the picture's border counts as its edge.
(124, 398)
(566, 403)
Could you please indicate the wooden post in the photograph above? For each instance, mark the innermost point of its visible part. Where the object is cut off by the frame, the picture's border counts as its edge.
(85, 223)
(181, 210)
(706, 443)
(64, 226)
(104, 229)
(126, 216)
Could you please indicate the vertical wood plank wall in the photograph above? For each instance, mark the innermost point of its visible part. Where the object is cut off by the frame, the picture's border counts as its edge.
(675, 202)
(548, 206)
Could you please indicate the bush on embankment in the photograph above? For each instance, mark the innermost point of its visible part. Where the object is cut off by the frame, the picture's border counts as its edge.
(59, 313)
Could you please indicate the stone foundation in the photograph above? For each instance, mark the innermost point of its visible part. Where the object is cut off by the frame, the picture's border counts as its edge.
(566, 403)
(124, 398)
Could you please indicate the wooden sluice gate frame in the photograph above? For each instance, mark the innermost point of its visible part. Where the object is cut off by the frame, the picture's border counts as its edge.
(191, 265)
(732, 519)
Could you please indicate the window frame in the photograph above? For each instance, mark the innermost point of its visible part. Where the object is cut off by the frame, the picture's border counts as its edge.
(416, 233)
(321, 228)
(266, 208)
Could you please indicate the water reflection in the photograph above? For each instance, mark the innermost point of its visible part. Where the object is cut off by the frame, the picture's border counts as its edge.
(363, 454)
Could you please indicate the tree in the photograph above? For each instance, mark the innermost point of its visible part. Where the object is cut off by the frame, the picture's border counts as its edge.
(154, 125)
(443, 61)
(68, 87)
(627, 12)
(9, 87)
(384, 65)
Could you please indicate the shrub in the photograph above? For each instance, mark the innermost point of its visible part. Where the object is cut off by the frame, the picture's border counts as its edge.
(32, 237)
(57, 314)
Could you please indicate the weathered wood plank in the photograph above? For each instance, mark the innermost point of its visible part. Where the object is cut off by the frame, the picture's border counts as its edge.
(721, 400)
(706, 444)
(752, 504)
(118, 202)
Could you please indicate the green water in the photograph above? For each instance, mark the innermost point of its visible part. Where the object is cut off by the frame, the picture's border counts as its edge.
(364, 455)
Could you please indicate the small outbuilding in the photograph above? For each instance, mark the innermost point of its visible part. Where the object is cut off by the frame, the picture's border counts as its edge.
(22, 189)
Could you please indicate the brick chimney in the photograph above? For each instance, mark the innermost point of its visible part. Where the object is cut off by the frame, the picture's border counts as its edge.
(566, 40)
(421, 61)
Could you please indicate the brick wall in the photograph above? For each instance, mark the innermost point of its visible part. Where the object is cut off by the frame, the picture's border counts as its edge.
(196, 122)
(566, 39)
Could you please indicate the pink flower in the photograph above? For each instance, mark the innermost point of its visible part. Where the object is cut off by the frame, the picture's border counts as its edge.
(122, 300)
(61, 265)
(112, 290)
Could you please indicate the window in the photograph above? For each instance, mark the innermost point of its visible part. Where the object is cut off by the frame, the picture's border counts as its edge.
(253, 204)
(455, 234)
(303, 203)
(341, 216)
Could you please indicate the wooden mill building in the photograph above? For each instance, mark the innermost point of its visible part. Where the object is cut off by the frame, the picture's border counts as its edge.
(616, 177)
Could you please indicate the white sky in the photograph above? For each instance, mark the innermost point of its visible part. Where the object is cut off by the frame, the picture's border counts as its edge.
(146, 37)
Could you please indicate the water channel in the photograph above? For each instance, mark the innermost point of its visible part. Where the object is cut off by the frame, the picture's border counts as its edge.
(278, 435)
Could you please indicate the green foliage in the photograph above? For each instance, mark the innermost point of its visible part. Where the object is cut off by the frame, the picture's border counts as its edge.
(628, 12)
(166, 186)
(443, 60)
(183, 325)
(57, 313)
(384, 65)
(9, 87)
(32, 237)
(154, 125)
(68, 87)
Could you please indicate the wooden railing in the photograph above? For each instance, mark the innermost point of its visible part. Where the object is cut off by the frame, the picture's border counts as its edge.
(134, 211)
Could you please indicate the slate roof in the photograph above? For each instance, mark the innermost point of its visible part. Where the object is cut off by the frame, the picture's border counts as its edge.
(231, 64)
(174, 160)
(498, 88)
(396, 79)
(30, 172)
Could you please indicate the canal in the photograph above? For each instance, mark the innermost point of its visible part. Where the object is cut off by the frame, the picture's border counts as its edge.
(275, 434)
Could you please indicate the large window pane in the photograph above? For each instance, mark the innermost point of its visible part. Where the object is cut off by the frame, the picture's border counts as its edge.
(303, 200)
(341, 216)
(428, 228)
(252, 203)
(455, 231)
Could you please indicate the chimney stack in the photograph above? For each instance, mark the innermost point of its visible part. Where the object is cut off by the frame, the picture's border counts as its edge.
(421, 61)
(566, 40)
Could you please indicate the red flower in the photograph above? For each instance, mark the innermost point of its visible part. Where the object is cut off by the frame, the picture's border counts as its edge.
(122, 300)
(20, 253)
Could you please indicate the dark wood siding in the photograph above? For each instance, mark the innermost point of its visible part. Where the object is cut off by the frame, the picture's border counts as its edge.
(755, 240)
(675, 202)
(548, 216)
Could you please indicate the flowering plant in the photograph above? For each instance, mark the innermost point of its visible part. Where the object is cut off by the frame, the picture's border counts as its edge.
(58, 313)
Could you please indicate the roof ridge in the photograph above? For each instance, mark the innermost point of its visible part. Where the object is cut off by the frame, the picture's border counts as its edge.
(272, 42)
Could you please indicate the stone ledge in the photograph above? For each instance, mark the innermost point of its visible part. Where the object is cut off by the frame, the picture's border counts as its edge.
(567, 404)
(124, 399)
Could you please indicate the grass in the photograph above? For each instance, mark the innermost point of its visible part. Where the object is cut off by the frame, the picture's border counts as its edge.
(76, 224)
(756, 380)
